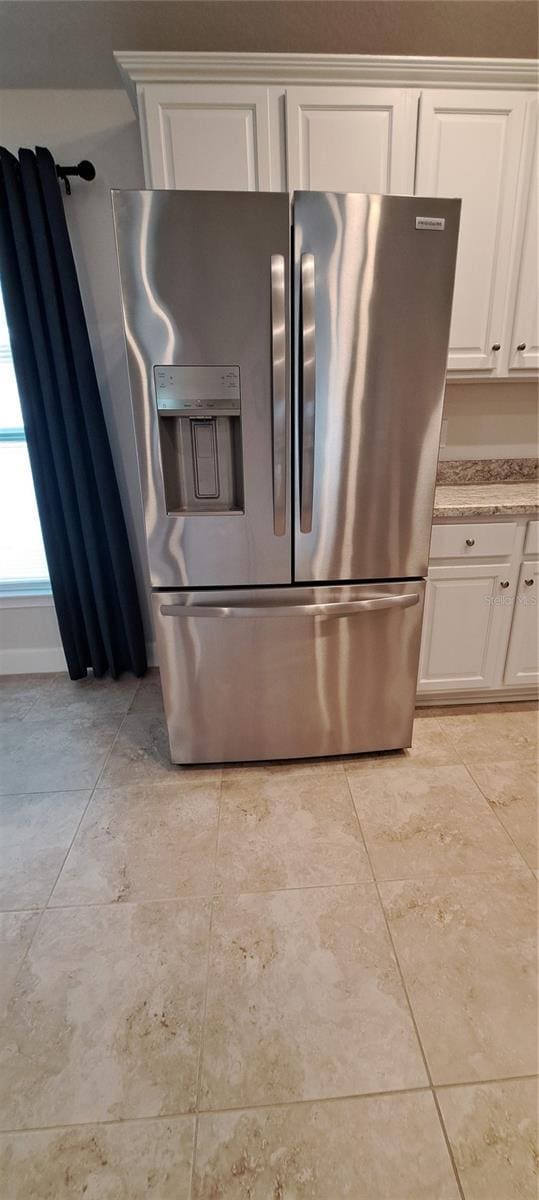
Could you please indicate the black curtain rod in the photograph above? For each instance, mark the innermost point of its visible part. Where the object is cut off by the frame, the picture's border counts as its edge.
(84, 169)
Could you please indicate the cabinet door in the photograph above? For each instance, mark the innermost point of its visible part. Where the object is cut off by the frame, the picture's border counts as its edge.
(206, 136)
(467, 615)
(522, 666)
(522, 339)
(469, 145)
(351, 139)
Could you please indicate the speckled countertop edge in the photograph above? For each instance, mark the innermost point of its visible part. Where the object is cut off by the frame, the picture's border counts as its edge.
(486, 499)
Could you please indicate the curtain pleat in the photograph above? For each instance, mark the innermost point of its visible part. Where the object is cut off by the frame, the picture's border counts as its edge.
(77, 495)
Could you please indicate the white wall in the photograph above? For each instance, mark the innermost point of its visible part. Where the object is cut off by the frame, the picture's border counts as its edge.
(490, 420)
(484, 420)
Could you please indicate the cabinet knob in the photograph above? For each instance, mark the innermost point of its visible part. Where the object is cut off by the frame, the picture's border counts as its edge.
(496, 346)
(528, 582)
(521, 346)
(504, 583)
(470, 541)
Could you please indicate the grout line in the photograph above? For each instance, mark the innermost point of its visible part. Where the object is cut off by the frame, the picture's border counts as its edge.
(493, 810)
(45, 906)
(103, 768)
(206, 989)
(409, 1003)
(187, 1114)
(502, 869)
(440, 1087)
(194, 1145)
(41, 792)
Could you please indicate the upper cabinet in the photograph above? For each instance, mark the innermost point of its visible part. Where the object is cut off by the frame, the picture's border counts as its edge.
(343, 139)
(204, 136)
(470, 145)
(345, 123)
(521, 335)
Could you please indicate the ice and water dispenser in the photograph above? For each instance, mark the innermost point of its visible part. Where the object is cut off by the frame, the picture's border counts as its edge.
(199, 413)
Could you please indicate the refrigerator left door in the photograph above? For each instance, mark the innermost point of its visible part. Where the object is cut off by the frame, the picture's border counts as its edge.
(204, 280)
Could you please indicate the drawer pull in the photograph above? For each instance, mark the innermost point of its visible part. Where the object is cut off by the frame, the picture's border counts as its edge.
(528, 582)
(521, 346)
(496, 346)
(470, 541)
(504, 583)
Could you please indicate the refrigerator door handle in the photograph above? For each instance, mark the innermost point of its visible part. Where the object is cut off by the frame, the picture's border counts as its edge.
(308, 391)
(338, 609)
(278, 391)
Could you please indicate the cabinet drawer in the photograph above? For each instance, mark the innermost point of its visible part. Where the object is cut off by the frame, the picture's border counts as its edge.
(531, 545)
(468, 540)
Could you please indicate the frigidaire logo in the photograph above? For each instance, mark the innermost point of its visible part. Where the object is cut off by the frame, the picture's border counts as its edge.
(430, 222)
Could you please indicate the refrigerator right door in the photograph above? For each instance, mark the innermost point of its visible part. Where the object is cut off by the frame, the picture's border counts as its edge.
(373, 288)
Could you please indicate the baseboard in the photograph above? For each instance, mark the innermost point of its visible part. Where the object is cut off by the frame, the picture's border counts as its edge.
(435, 699)
(46, 659)
(39, 660)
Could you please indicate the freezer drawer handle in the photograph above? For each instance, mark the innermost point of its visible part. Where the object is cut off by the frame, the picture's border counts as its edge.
(278, 392)
(308, 391)
(343, 609)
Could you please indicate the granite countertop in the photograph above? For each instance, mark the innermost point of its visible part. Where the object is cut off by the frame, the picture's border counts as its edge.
(486, 499)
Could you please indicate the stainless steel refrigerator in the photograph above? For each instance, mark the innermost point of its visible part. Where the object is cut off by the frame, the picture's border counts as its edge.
(287, 361)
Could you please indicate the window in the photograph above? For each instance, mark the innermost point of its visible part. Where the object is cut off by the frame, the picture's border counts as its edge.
(23, 566)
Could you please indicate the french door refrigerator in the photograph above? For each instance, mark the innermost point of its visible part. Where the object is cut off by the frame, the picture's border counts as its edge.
(287, 361)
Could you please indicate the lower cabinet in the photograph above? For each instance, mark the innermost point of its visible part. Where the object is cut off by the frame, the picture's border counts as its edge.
(480, 626)
(467, 616)
(522, 665)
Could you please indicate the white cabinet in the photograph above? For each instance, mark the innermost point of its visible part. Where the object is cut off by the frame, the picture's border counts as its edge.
(436, 127)
(470, 145)
(521, 337)
(345, 139)
(522, 666)
(466, 618)
(480, 628)
(203, 136)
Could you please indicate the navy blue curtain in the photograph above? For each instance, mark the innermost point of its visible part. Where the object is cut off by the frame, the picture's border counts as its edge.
(83, 526)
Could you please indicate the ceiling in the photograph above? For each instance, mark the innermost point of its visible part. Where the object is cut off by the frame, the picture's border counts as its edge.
(69, 43)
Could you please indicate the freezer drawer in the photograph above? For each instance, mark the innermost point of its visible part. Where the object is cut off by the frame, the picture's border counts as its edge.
(288, 672)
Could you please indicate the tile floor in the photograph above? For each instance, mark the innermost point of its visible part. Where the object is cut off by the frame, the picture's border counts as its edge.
(301, 982)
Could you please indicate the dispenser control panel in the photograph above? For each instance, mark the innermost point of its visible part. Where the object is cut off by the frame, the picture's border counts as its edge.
(194, 390)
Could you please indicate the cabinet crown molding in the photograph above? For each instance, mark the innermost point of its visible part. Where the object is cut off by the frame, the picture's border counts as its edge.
(178, 66)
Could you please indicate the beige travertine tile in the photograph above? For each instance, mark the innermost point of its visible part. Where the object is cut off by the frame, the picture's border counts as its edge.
(35, 834)
(428, 820)
(19, 693)
(467, 949)
(103, 1022)
(88, 696)
(143, 843)
(371, 1148)
(492, 1129)
(492, 735)
(16, 932)
(288, 830)
(304, 1000)
(511, 790)
(56, 755)
(128, 1161)
(295, 766)
(141, 754)
(148, 697)
(430, 747)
